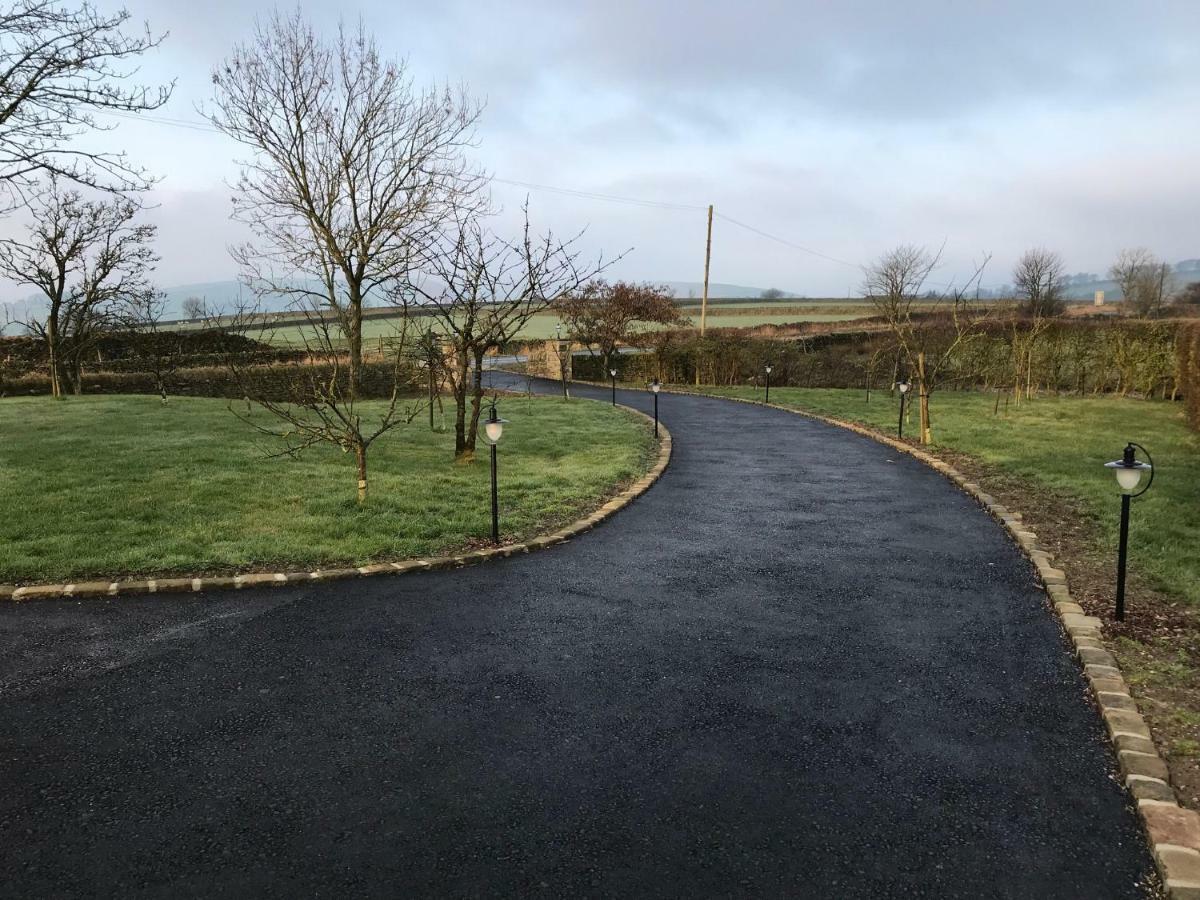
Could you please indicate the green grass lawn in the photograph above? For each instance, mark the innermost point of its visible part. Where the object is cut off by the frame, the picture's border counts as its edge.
(1062, 444)
(110, 486)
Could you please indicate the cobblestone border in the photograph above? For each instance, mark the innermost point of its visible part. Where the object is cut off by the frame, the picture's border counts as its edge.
(277, 579)
(1174, 831)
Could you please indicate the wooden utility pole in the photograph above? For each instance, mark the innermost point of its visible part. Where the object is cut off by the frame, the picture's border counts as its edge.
(704, 296)
(707, 259)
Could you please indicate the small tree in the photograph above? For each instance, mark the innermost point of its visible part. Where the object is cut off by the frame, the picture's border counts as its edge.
(58, 67)
(194, 308)
(927, 339)
(1144, 280)
(603, 316)
(482, 289)
(85, 257)
(159, 350)
(317, 399)
(1038, 277)
(772, 294)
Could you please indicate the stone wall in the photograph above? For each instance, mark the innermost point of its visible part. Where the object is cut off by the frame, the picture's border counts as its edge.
(547, 359)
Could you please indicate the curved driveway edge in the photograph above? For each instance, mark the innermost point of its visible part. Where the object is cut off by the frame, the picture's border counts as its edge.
(1174, 831)
(425, 564)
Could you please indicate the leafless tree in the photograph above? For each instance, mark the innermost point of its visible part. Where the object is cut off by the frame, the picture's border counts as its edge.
(194, 308)
(1038, 278)
(1145, 281)
(315, 400)
(351, 170)
(159, 350)
(927, 340)
(482, 289)
(59, 67)
(85, 257)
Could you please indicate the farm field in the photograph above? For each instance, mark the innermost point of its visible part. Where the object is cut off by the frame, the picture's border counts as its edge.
(186, 487)
(1061, 444)
(542, 326)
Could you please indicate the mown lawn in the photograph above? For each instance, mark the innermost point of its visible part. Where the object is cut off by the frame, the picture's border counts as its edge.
(110, 486)
(1062, 443)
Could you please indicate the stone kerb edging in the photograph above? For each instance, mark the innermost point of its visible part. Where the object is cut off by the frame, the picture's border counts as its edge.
(1174, 831)
(275, 579)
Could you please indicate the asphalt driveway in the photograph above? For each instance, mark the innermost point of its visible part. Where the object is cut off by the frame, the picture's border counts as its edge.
(803, 664)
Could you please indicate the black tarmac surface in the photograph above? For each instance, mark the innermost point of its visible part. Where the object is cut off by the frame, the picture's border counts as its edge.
(803, 664)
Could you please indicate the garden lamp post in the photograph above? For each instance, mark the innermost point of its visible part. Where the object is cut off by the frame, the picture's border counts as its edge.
(613, 374)
(767, 369)
(903, 386)
(655, 387)
(1129, 470)
(493, 428)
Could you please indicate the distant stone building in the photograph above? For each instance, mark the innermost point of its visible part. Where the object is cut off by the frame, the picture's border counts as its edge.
(1099, 298)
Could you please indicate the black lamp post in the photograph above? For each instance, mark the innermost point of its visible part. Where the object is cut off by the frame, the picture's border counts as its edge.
(1129, 470)
(493, 428)
(655, 387)
(903, 386)
(613, 374)
(767, 370)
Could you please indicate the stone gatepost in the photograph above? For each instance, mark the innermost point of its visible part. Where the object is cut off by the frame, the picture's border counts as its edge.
(549, 359)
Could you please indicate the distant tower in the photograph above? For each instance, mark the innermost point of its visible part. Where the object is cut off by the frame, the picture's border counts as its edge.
(1098, 300)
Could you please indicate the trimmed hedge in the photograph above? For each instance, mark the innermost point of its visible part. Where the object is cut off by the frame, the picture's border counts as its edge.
(1126, 357)
(269, 382)
(1188, 356)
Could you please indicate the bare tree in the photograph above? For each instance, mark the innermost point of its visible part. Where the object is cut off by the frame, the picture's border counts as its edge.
(927, 340)
(352, 168)
(482, 289)
(59, 66)
(604, 316)
(85, 257)
(1039, 280)
(194, 308)
(1145, 281)
(772, 294)
(159, 350)
(316, 399)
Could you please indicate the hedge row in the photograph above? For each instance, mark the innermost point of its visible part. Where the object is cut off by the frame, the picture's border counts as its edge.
(1123, 357)
(269, 382)
(1188, 350)
(120, 351)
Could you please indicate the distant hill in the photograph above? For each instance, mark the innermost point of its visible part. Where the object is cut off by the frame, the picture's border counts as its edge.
(685, 289)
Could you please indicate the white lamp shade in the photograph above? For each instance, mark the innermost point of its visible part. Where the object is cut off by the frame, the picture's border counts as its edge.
(612, 372)
(654, 386)
(492, 431)
(768, 368)
(903, 387)
(1128, 479)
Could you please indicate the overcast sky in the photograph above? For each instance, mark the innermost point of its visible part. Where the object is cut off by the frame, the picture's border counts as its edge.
(845, 127)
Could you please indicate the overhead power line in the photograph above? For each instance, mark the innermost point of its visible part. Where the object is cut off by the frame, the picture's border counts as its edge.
(196, 125)
(787, 243)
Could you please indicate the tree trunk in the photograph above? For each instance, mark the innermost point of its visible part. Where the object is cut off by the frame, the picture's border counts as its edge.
(360, 458)
(55, 362)
(354, 340)
(476, 405)
(460, 406)
(926, 430)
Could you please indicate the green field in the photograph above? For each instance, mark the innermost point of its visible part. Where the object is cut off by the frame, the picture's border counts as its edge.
(542, 326)
(1062, 443)
(113, 486)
